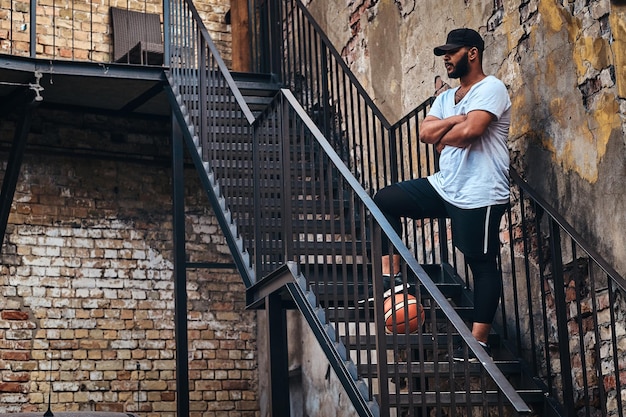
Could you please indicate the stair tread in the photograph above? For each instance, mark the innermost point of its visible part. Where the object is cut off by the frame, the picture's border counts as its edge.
(507, 366)
(427, 339)
(352, 313)
(476, 397)
(450, 291)
(258, 91)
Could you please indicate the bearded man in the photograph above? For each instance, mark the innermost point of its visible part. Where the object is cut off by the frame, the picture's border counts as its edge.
(469, 126)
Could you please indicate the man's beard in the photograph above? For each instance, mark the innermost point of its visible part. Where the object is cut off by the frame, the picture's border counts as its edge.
(461, 68)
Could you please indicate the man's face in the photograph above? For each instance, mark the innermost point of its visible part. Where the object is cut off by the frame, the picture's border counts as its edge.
(456, 62)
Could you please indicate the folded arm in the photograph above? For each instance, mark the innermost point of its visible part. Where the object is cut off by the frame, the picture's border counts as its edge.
(459, 130)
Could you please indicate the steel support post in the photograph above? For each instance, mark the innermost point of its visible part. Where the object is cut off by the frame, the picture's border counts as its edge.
(33, 29)
(166, 33)
(14, 164)
(278, 351)
(180, 272)
(561, 317)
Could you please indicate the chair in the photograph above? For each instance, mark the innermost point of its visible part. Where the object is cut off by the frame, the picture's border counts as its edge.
(136, 37)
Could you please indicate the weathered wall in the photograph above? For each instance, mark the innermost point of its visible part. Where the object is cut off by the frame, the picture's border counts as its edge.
(321, 391)
(314, 389)
(86, 278)
(563, 63)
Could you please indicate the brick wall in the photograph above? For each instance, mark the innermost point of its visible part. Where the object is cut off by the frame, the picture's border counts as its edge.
(86, 290)
(81, 30)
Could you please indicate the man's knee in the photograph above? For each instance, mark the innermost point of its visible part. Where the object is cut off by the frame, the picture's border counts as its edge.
(384, 197)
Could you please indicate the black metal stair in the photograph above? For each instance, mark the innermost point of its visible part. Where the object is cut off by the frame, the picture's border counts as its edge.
(257, 89)
(233, 139)
(445, 371)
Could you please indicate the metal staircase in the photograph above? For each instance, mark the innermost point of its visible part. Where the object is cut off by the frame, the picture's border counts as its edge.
(290, 179)
(289, 161)
(302, 200)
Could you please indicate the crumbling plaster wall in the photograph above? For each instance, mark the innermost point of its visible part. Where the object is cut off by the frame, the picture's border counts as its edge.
(564, 64)
(314, 388)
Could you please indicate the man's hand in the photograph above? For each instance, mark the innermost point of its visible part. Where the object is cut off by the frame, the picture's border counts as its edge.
(459, 131)
(433, 129)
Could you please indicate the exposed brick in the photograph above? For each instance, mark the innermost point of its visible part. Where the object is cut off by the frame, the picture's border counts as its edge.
(236, 385)
(92, 291)
(14, 387)
(14, 315)
(111, 407)
(168, 396)
(15, 355)
(16, 377)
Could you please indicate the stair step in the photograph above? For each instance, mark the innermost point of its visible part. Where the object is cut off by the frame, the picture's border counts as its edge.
(299, 227)
(248, 83)
(221, 106)
(351, 313)
(326, 249)
(442, 369)
(427, 340)
(460, 398)
(450, 291)
(275, 184)
(314, 207)
(254, 81)
(268, 167)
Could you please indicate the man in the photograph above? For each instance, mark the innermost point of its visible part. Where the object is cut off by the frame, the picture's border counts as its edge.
(469, 126)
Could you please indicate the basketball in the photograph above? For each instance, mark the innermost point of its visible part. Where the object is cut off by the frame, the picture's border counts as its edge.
(409, 311)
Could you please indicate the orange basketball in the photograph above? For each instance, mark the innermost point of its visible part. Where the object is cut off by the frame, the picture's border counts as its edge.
(406, 311)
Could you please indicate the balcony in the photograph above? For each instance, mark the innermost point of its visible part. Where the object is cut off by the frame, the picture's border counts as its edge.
(70, 54)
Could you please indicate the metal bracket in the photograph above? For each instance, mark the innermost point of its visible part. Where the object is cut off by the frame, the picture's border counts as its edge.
(36, 86)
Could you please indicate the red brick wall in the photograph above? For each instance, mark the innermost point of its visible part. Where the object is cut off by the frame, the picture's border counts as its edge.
(86, 289)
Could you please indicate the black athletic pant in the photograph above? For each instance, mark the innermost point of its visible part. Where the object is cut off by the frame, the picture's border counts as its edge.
(475, 233)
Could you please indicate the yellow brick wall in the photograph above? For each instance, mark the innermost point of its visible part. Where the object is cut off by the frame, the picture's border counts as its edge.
(81, 29)
(86, 278)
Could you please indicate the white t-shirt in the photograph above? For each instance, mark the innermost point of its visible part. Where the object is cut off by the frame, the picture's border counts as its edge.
(477, 175)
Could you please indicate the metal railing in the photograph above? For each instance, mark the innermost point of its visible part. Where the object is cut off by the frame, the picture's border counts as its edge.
(563, 308)
(379, 153)
(330, 93)
(220, 123)
(331, 228)
(289, 197)
(534, 255)
(64, 30)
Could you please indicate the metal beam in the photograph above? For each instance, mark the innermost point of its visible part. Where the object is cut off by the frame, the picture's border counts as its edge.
(87, 69)
(180, 272)
(14, 164)
(143, 98)
(278, 356)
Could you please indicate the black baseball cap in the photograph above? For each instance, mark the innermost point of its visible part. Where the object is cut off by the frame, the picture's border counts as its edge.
(461, 37)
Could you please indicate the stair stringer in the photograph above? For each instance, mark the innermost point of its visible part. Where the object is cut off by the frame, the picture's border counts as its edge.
(334, 349)
(224, 217)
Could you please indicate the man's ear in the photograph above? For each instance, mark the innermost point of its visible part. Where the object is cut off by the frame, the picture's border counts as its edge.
(473, 53)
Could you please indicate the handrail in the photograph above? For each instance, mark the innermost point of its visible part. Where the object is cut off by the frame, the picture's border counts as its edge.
(218, 59)
(270, 156)
(346, 70)
(512, 395)
(560, 220)
(288, 276)
(190, 71)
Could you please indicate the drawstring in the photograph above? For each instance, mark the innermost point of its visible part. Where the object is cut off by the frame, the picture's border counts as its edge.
(486, 242)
